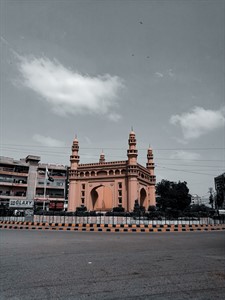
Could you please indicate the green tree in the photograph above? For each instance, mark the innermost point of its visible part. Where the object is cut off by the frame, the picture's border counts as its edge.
(172, 195)
(211, 199)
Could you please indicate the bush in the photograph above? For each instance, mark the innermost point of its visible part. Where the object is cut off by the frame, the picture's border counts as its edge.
(81, 208)
(151, 208)
(93, 213)
(118, 209)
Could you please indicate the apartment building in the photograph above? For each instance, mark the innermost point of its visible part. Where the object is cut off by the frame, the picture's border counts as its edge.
(51, 187)
(220, 190)
(28, 179)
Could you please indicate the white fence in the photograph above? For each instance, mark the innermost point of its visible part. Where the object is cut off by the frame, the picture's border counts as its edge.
(114, 220)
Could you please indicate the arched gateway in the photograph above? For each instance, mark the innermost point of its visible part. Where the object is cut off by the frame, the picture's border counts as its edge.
(101, 198)
(104, 185)
(143, 197)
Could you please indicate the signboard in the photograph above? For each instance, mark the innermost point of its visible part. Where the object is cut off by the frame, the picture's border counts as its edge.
(21, 203)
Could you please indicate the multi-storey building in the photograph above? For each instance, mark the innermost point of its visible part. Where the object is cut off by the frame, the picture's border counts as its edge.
(13, 179)
(220, 189)
(195, 199)
(27, 179)
(51, 193)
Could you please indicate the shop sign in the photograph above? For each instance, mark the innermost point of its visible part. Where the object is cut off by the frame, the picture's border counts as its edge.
(21, 203)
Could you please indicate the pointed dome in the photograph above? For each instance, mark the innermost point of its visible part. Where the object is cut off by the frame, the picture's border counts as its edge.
(102, 157)
(132, 133)
(150, 152)
(75, 140)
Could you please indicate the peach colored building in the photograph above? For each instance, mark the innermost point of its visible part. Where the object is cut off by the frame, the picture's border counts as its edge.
(104, 185)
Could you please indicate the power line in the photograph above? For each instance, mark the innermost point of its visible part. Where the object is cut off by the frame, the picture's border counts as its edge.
(115, 148)
(158, 166)
(196, 170)
(52, 153)
(203, 166)
(186, 171)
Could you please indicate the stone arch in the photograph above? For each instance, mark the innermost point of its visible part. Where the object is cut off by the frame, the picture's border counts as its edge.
(117, 172)
(111, 172)
(92, 173)
(94, 198)
(102, 173)
(87, 174)
(143, 198)
(101, 198)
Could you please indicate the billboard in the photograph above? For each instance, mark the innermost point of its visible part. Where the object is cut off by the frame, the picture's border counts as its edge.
(21, 203)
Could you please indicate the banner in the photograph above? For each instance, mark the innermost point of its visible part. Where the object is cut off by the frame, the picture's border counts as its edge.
(21, 203)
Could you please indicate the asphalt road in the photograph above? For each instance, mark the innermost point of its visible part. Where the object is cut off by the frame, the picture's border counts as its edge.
(81, 265)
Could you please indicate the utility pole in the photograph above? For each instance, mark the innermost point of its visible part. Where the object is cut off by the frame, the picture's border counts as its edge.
(45, 185)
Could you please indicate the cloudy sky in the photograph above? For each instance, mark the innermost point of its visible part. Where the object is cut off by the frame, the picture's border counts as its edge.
(97, 68)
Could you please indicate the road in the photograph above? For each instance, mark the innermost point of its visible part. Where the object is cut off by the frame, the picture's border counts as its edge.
(81, 265)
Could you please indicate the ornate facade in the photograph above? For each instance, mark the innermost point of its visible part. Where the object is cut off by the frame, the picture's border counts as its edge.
(104, 185)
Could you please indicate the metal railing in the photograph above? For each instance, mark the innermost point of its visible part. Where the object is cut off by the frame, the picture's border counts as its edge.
(115, 219)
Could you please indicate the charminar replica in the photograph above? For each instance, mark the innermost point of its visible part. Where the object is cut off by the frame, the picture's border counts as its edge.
(104, 185)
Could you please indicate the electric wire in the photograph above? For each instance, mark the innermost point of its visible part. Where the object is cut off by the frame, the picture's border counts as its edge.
(116, 148)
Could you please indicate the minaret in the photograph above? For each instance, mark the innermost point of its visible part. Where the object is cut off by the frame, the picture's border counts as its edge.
(102, 158)
(73, 197)
(132, 173)
(132, 152)
(150, 167)
(150, 163)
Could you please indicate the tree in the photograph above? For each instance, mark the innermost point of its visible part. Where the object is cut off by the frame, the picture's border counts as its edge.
(211, 200)
(137, 208)
(172, 195)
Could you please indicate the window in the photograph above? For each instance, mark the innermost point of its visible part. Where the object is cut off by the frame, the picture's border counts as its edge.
(83, 186)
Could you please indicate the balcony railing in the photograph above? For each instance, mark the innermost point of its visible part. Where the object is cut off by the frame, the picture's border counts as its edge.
(55, 196)
(7, 170)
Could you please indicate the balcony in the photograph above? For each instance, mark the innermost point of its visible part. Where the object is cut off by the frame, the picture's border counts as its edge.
(55, 177)
(5, 183)
(13, 171)
(56, 184)
(49, 196)
(17, 195)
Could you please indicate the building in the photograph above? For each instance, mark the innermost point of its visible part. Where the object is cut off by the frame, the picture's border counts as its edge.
(220, 190)
(104, 185)
(51, 187)
(195, 199)
(26, 179)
